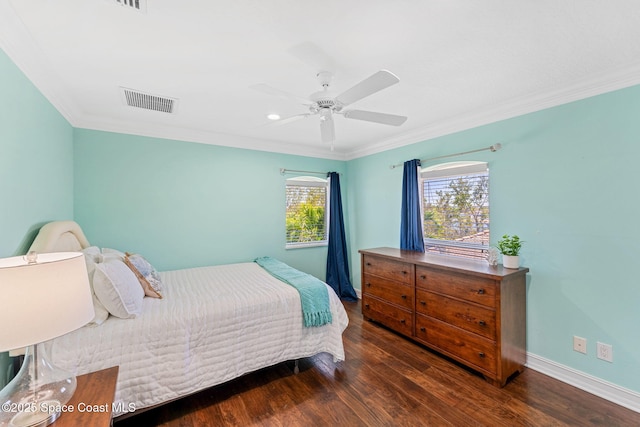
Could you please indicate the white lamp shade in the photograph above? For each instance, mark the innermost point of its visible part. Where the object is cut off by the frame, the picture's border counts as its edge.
(44, 300)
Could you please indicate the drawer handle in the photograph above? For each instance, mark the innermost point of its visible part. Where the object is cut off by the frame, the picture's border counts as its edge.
(368, 264)
(481, 354)
(403, 321)
(480, 291)
(366, 306)
(423, 277)
(404, 272)
(423, 302)
(482, 323)
(423, 329)
(368, 285)
(404, 297)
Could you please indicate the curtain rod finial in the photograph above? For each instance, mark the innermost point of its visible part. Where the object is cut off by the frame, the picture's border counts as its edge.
(496, 147)
(282, 170)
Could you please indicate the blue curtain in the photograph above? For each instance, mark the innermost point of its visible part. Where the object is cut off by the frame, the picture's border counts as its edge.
(411, 237)
(337, 275)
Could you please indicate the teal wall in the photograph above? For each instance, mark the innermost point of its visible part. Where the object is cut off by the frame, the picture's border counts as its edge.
(566, 181)
(185, 204)
(36, 165)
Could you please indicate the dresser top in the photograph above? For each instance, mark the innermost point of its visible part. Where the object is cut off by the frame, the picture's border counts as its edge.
(445, 262)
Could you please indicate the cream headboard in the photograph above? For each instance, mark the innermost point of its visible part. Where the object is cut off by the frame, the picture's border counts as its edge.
(57, 236)
(60, 236)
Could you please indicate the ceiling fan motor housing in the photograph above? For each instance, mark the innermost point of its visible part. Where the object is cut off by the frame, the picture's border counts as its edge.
(324, 99)
(325, 102)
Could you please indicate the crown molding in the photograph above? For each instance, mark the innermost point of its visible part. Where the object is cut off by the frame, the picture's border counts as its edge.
(604, 83)
(206, 137)
(20, 46)
(18, 43)
(517, 107)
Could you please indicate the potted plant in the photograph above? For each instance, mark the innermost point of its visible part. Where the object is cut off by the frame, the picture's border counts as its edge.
(509, 247)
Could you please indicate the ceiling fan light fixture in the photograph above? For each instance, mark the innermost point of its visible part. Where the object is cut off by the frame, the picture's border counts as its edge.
(325, 114)
(325, 103)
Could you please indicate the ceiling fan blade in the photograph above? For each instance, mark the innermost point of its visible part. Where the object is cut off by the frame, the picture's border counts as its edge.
(264, 88)
(371, 116)
(312, 55)
(327, 127)
(289, 119)
(380, 80)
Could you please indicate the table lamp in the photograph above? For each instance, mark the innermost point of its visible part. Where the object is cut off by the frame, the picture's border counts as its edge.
(43, 297)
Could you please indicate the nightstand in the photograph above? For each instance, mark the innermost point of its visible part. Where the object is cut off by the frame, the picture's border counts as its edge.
(92, 400)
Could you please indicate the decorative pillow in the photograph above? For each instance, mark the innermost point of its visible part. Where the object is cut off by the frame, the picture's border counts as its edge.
(110, 253)
(146, 274)
(92, 256)
(118, 289)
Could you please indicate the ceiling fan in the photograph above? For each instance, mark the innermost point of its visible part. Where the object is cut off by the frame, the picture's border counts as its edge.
(326, 103)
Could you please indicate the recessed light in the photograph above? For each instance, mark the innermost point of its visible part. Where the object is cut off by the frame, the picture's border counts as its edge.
(273, 116)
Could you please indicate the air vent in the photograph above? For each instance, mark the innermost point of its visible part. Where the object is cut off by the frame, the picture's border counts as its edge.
(134, 98)
(139, 5)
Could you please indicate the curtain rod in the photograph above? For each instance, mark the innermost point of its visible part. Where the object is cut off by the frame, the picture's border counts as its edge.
(283, 171)
(493, 148)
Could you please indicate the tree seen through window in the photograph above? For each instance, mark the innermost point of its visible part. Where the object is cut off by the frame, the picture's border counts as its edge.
(306, 212)
(456, 214)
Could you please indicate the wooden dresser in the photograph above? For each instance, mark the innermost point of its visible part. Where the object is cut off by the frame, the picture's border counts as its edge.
(462, 308)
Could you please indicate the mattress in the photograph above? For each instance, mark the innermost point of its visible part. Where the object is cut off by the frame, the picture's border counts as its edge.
(213, 324)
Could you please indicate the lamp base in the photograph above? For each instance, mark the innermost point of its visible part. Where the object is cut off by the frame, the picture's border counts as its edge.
(37, 395)
(40, 415)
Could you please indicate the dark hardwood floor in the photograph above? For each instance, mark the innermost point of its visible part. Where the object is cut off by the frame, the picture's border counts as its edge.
(385, 381)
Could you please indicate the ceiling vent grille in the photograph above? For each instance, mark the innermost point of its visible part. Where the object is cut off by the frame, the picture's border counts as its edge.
(134, 98)
(139, 5)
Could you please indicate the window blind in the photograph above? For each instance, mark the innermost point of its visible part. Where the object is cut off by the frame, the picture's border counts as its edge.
(456, 209)
(306, 213)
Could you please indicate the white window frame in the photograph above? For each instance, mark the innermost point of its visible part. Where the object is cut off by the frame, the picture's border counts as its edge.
(310, 181)
(452, 170)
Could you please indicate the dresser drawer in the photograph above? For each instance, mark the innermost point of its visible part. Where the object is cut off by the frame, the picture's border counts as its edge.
(476, 289)
(389, 290)
(470, 348)
(394, 317)
(464, 315)
(394, 270)
(465, 309)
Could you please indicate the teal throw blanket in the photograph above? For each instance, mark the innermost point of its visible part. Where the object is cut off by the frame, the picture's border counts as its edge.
(313, 292)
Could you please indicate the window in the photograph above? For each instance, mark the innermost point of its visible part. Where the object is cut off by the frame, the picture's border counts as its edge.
(456, 208)
(306, 216)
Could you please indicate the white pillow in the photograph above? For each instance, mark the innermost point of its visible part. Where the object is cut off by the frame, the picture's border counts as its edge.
(118, 289)
(91, 257)
(108, 252)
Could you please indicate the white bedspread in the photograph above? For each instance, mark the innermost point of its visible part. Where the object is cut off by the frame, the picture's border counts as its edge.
(213, 324)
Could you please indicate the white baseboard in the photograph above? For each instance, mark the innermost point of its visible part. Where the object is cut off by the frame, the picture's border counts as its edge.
(601, 388)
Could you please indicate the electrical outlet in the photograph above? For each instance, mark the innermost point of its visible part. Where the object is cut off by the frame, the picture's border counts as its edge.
(605, 352)
(580, 344)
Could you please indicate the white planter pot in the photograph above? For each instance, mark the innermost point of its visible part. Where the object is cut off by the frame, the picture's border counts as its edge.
(509, 261)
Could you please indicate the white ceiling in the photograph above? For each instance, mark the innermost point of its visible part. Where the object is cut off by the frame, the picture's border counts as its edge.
(460, 63)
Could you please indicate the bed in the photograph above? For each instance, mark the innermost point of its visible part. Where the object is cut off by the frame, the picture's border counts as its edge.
(212, 324)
